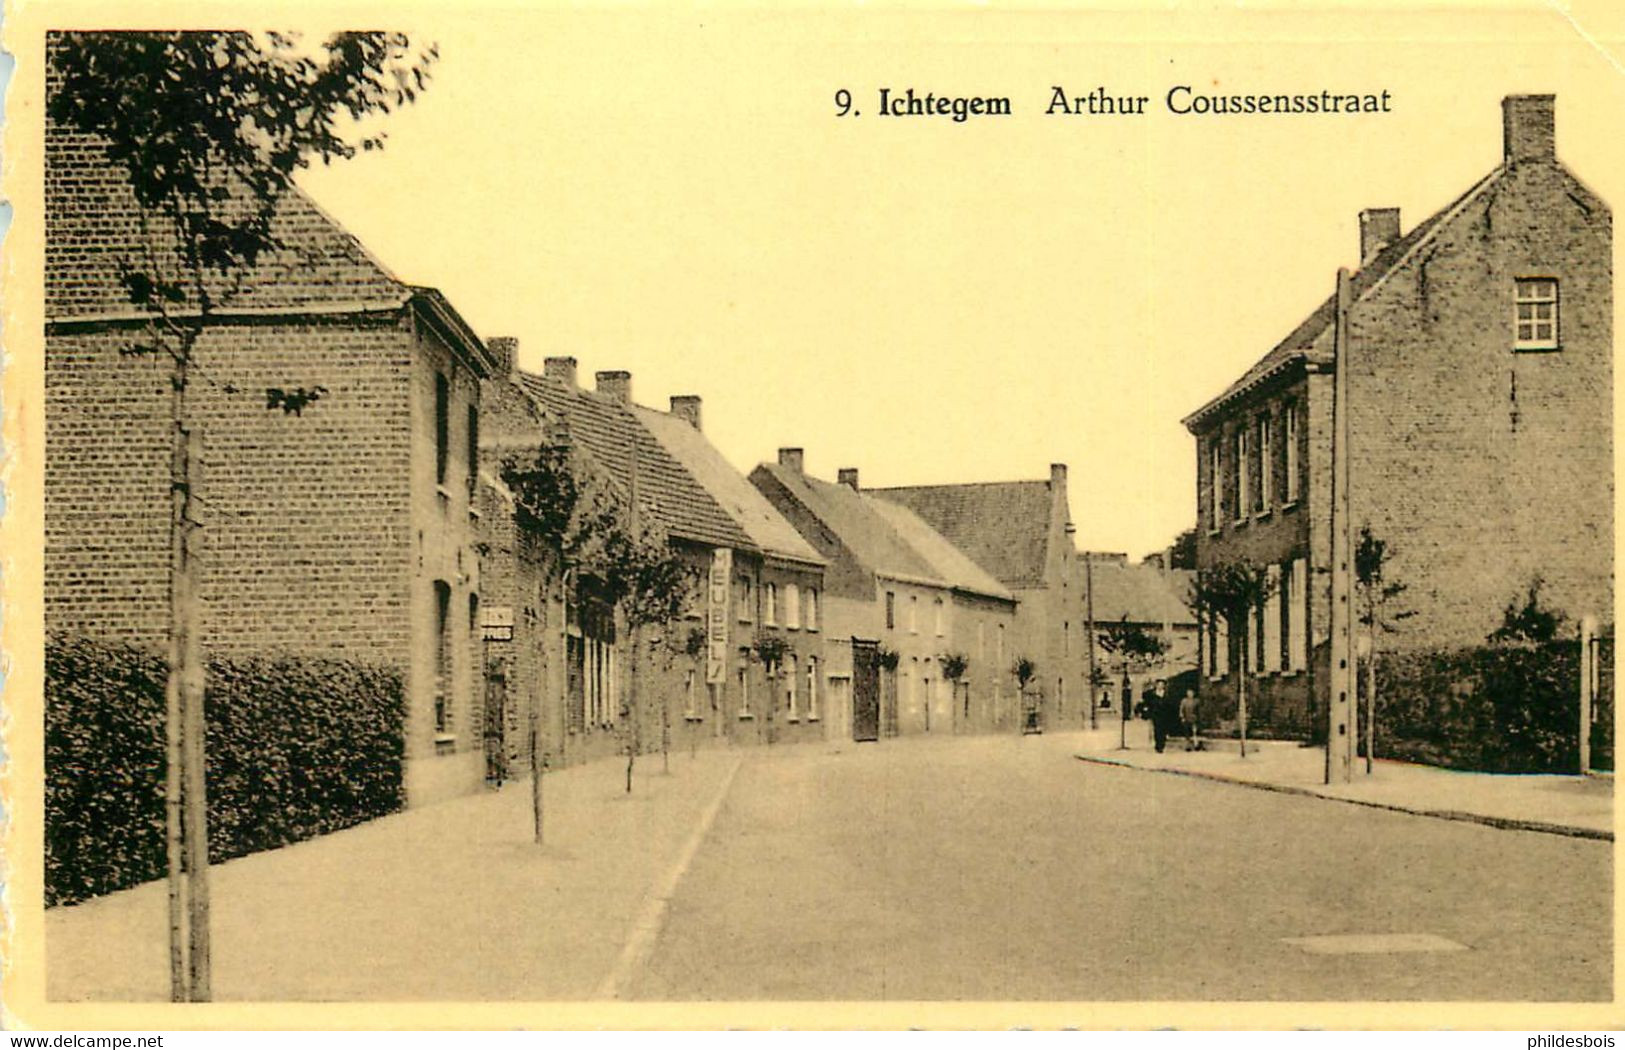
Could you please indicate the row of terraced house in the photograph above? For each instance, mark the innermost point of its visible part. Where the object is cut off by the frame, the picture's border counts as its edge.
(378, 524)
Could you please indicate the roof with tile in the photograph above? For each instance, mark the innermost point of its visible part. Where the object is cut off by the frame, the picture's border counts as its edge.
(946, 560)
(95, 229)
(1141, 593)
(882, 538)
(1314, 335)
(607, 429)
(1004, 527)
(737, 497)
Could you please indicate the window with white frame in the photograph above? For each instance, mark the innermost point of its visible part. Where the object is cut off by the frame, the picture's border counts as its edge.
(812, 608)
(938, 617)
(747, 609)
(1290, 440)
(792, 607)
(770, 604)
(1242, 498)
(891, 610)
(1298, 633)
(1215, 484)
(1535, 325)
(744, 683)
(790, 680)
(812, 688)
(914, 614)
(1271, 626)
(1266, 464)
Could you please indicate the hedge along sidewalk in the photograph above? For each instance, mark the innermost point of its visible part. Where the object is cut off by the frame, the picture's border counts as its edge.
(447, 902)
(1564, 805)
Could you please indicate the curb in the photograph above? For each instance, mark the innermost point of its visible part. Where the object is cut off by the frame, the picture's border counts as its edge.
(1504, 823)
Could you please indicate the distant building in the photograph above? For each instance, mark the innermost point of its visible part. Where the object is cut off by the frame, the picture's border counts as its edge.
(1480, 374)
(895, 585)
(1147, 596)
(1020, 532)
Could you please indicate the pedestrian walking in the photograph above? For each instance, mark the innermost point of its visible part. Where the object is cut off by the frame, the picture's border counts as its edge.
(1162, 714)
(1187, 717)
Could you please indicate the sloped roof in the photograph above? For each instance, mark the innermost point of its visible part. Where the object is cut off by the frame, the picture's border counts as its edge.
(1002, 526)
(1142, 593)
(946, 560)
(1314, 333)
(865, 532)
(93, 228)
(607, 429)
(737, 497)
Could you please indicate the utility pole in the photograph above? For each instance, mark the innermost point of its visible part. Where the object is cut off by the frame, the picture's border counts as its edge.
(633, 519)
(1089, 621)
(1341, 712)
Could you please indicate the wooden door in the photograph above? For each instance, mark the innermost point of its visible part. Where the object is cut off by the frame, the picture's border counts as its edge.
(865, 691)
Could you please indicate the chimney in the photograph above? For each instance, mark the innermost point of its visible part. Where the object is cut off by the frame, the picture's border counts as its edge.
(617, 385)
(561, 368)
(848, 476)
(791, 459)
(1057, 474)
(505, 348)
(687, 408)
(1379, 227)
(1529, 128)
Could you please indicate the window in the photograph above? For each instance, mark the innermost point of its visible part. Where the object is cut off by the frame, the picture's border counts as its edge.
(891, 610)
(1066, 637)
(792, 606)
(473, 448)
(1298, 599)
(1536, 319)
(770, 604)
(981, 640)
(744, 683)
(1242, 499)
(1290, 440)
(1271, 626)
(812, 688)
(442, 427)
(691, 710)
(1266, 464)
(914, 614)
(747, 608)
(790, 687)
(939, 621)
(1283, 600)
(1215, 485)
(812, 608)
(442, 657)
(1258, 639)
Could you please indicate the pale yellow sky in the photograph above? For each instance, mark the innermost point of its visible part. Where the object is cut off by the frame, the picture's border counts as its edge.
(672, 193)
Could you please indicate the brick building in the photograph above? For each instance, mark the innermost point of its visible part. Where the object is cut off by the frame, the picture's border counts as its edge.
(1480, 375)
(341, 531)
(895, 583)
(1020, 532)
(1149, 596)
(700, 679)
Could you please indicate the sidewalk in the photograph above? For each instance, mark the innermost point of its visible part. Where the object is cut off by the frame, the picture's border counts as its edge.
(1567, 805)
(451, 901)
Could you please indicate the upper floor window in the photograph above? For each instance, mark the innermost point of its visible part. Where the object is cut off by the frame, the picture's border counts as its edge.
(1536, 323)
(1266, 463)
(891, 609)
(770, 604)
(442, 427)
(812, 608)
(1215, 485)
(913, 614)
(747, 611)
(1242, 488)
(1290, 440)
(939, 622)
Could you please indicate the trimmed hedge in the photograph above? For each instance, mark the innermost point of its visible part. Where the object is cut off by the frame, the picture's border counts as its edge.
(1498, 709)
(297, 747)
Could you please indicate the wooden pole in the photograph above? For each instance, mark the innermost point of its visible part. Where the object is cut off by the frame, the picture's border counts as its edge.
(1588, 632)
(195, 830)
(1089, 622)
(174, 720)
(1341, 723)
(1371, 686)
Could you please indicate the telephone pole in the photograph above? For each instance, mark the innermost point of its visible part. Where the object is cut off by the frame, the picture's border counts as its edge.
(1342, 728)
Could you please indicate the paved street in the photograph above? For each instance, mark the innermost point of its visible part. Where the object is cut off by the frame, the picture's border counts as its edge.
(986, 868)
(1002, 868)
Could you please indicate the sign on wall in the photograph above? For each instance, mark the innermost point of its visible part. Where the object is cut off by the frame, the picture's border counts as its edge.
(496, 623)
(716, 615)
